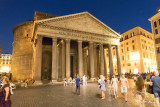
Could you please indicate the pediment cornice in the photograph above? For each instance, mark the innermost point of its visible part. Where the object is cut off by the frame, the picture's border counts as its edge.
(76, 31)
(85, 14)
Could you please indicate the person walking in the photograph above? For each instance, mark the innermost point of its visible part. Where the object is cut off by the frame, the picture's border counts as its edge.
(84, 80)
(114, 81)
(155, 82)
(124, 86)
(5, 93)
(140, 90)
(102, 86)
(78, 85)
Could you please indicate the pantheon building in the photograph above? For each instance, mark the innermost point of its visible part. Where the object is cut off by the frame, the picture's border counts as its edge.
(54, 47)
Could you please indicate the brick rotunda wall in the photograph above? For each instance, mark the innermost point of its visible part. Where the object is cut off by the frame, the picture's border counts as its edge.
(22, 55)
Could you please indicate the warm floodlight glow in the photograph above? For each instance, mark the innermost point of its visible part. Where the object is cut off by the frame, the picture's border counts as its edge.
(135, 70)
(5, 69)
(124, 71)
(114, 60)
(134, 56)
(108, 70)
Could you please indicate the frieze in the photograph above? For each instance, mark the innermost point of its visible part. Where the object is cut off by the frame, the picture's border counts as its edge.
(76, 31)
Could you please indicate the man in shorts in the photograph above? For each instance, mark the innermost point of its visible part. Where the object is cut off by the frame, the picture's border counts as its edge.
(124, 86)
(155, 81)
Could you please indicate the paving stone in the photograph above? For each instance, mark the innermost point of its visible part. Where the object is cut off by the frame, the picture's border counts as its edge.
(60, 96)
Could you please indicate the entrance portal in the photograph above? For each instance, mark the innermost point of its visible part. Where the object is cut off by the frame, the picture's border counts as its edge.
(71, 59)
(46, 59)
(46, 65)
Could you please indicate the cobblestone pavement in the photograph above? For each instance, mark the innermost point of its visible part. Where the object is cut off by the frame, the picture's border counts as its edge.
(60, 96)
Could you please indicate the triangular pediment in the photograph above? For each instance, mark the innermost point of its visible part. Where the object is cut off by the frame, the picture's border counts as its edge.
(82, 22)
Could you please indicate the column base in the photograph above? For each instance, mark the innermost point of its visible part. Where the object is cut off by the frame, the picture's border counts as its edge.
(53, 81)
(93, 79)
(38, 83)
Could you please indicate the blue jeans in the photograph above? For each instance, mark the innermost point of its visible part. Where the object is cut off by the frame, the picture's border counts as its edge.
(156, 94)
(78, 90)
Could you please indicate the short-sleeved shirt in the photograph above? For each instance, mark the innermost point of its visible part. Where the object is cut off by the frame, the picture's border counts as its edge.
(156, 83)
(123, 81)
(77, 81)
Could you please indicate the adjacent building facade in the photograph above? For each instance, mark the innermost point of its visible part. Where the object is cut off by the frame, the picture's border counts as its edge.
(55, 47)
(155, 24)
(5, 63)
(137, 51)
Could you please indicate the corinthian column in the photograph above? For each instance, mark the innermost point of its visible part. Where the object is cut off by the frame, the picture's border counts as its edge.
(91, 53)
(63, 60)
(102, 59)
(80, 58)
(38, 64)
(110, 60)
(54, 58)
(118, 60)
(67, 58)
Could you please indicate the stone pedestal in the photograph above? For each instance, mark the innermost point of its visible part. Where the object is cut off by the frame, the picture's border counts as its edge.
(36, 83)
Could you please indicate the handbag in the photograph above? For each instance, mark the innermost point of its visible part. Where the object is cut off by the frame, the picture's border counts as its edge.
(149, 89)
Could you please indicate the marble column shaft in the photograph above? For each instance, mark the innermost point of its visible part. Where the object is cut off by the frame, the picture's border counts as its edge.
(95, 60)
(118, 60)
(38, 66)
(91, 53)
(63, 60)
(105, 64)
(80, 59)
(67, 58)
(102, 59)
(59, 62)
(85, 62)
(54, 58)
(110, 60)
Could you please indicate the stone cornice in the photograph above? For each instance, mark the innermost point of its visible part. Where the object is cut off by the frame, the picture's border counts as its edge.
(75, 31)
(21, 24)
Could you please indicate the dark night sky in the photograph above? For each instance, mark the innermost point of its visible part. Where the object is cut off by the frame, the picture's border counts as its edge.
(120, 15)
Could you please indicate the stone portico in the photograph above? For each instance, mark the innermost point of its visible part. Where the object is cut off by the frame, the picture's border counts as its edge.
(64, 46)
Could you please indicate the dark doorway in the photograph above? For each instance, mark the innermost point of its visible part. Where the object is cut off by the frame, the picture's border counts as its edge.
(71, 66)
(46, 65)
(46, 58)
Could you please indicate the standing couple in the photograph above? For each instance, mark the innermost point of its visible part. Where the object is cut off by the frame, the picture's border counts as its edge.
(124, 86)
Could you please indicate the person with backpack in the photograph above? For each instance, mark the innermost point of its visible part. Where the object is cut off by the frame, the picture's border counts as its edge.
(155, 82)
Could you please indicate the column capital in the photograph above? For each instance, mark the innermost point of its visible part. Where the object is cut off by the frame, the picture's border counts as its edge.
(117, 46)
(79, 41)
(100, 43)
(90, 42)
(110, 45)
(54, 39)
(68, 40)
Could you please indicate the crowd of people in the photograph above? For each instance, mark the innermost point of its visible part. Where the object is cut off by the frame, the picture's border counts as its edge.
(152, 86)
(151, 81)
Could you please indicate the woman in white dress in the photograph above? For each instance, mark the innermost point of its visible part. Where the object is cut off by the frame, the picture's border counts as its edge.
(114, 85)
